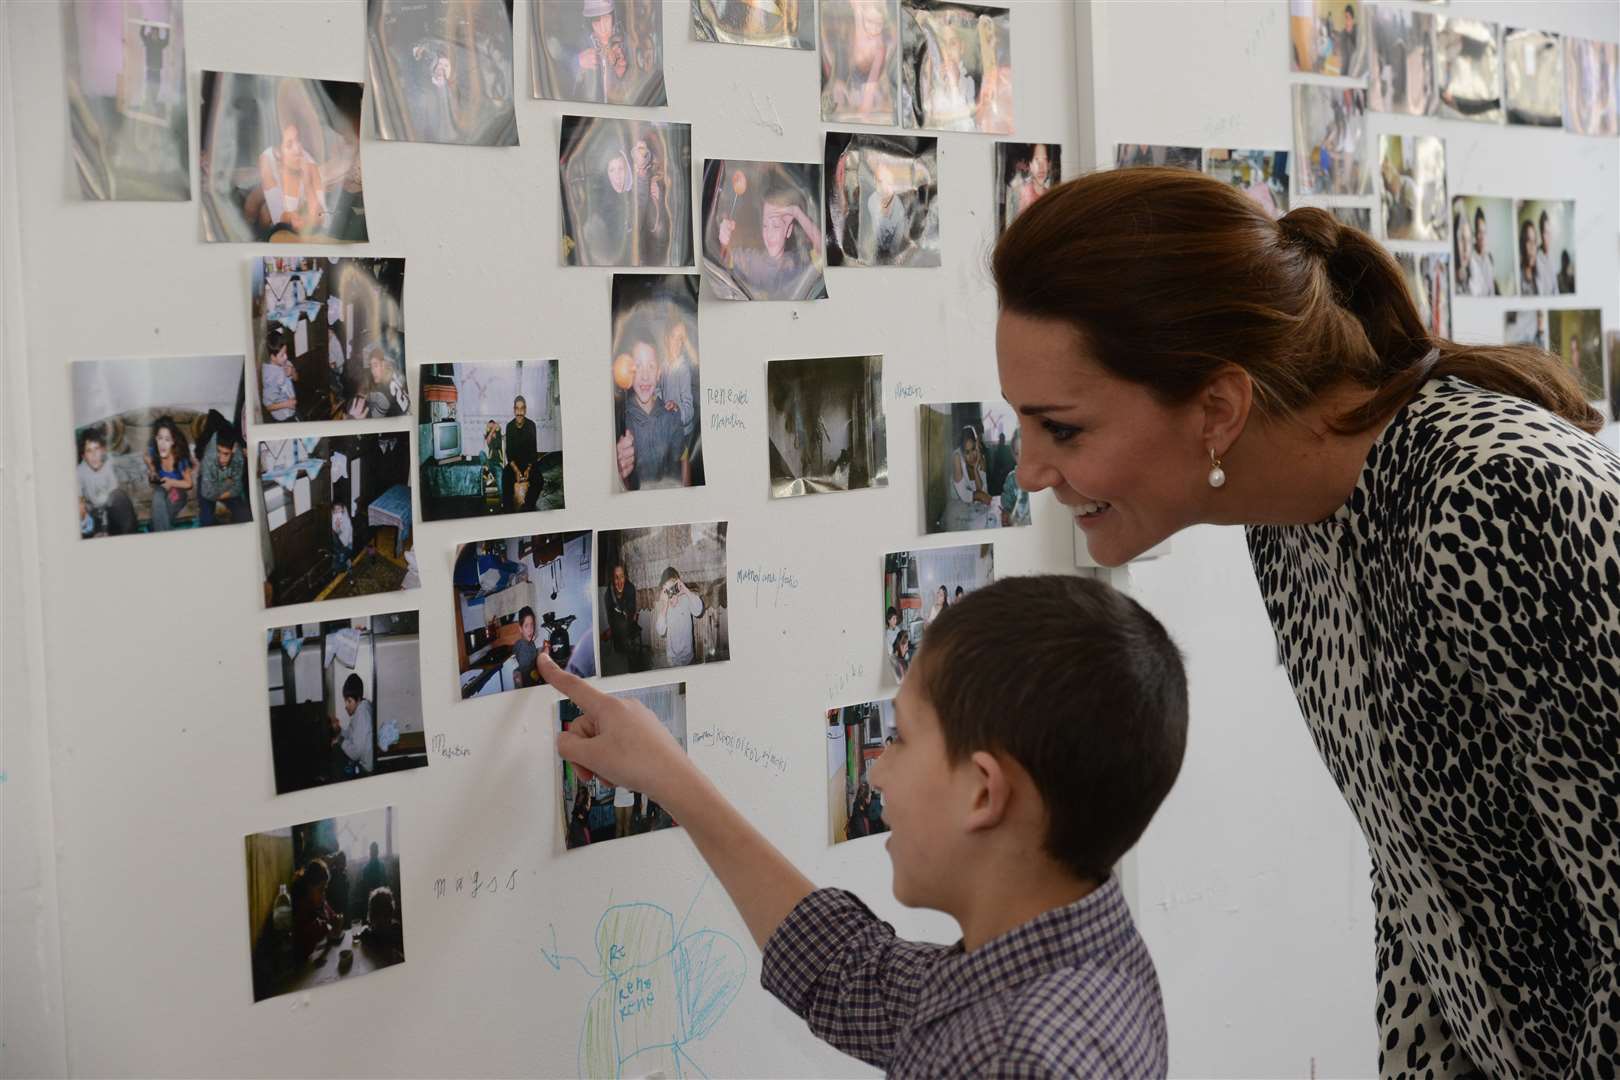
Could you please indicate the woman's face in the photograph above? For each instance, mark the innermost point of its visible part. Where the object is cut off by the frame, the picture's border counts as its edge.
(618, 173)
(970, 450)
(165, 441)
(1038, 164)
(291, 148)
(941, 596)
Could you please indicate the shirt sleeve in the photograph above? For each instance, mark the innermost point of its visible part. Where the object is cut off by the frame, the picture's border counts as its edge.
(846, 973)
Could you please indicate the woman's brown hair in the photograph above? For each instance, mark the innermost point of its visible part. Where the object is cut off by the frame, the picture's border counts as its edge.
(1169, 275)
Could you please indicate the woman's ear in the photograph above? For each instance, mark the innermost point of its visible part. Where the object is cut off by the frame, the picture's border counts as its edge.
(989, 790)
(1225, 402)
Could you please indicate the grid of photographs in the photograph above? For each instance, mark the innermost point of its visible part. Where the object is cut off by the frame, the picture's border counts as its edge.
(1024, 172)
(860, 53)
(1412, 171)
(625, 190)
(663, 597)
(1326, 37)
(778, 24)
(1330, 140)
(594, 810)
(517, 599)
(1262, 175)
(1483, 258)
(489, 439)
(882, 200)
(762, 230)
(970, 467)
(956, 67)
(657, 382)
(917, 588)
(826, 425)
(441, 71)
(608, 51)
(856, 736)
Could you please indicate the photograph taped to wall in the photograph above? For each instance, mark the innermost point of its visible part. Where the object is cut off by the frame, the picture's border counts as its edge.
(860, 61)
(1576, 335)
(1262, 175)
(1024, 172)
(608, 51)
(778, 24)
(856, 736)
(336, 515)
(1533, 77)
(489, 439)
(1526, 326)
(594, 810)
(956, 67)
(1591, 86)
(1402, 75)
(441, 71)
(1330, 141)
(1131, 155)
(970, 455)
(762, 230)
(882, 200)
(1482, 246)
(626, 193)
(159, 444)
(827, 430)
(1412, 171)
(280, 160)
(1545, 229)
(1612, 339)
(1327, 37)
(345, 699)
(518, 599)
(917, 588)
(1357, 217)
(657, 382)
(125, 67)
(329, 338)
(1467, 69)
(324, 902)
(663, 597)
(1428, 279)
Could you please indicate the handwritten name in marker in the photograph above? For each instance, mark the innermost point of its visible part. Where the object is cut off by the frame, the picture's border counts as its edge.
(741, 746)
(905, 390)
(475, 885)
(768, 583)
(724, 405)
(447, 749)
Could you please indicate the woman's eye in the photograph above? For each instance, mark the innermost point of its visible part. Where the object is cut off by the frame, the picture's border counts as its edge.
(1059, 432)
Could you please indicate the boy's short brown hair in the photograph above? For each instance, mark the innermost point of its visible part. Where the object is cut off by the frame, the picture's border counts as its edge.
(1082, 687)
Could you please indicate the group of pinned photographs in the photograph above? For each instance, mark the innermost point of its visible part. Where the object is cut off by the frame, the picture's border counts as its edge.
(1262, 175)
(1513, 247)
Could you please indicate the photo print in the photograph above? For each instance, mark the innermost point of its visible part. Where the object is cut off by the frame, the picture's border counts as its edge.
(1591, 86)
(626, 193)
(1403, 62)
(882, 200)
(1024, 172)
(918, 586)
(1330, 141)
(1576, 335)
(1482, 246)
(280, 160)
(1467, 69)
(441, 71)
(856, 736)
(1613, 339)
(956, 67)
(329, 338)
(1131, 155)
(594, 810)
(345, 699)
(1533, 77)
(1546, 246)
(663, 597)
(778, 24)
(827, 430)
(1412, 171)
(518, 599)
(1428, 279)
(1526, 327)
(860, 61)
(970, 467)
(336, 517)
(607, 51)
(489, 439)
(324, 902)
(1326, 37)
(762, 230)
(1262, 175)
(1357, 217)
(159, 444)
(125, 68)
(657, 382)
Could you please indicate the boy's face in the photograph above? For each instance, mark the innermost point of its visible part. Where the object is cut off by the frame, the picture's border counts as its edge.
(921, 793)
(527, 628)
(225, 451)
(95, 454)
(776, 227)
(350, 704)
(646, 372)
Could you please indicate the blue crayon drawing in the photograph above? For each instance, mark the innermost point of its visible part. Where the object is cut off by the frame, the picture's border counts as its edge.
(658, 990)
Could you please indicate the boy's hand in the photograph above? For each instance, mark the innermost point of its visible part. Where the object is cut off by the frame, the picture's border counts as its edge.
(619, 740)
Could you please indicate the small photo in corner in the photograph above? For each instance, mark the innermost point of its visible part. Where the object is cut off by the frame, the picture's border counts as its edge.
(657, 382)
(1546, 246)
(125, 67)
(1576, 335)
(777, 24)
(970, 467)
(441, 71)
(520, 598)
(594, 810)
(1526, 326)
(827, 430)
(1131, 155)
(956, 69)
(1467, 69)
(607, 51)
(856, 736)
(1533, 77)
(1330, 141)
(336, 517)
(329, 338)
(280, 160)
(345, 700)
(762, 230)
(1024, 172)
(918, 586)
(860, 53)
(1482, 246)
(1412, 174)
(1401, 79)
(1327, 37)
(882, 200)
(626, 196)
(159, 444)
(1591, 86)
(324, 902)
(1428, 277)
(663, 597)
(1262, 175)
(489, 439)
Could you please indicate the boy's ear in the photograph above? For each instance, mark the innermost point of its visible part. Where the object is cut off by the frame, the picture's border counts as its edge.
(989, 791)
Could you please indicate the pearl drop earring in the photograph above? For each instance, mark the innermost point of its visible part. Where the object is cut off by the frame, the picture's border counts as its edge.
(1217, 475)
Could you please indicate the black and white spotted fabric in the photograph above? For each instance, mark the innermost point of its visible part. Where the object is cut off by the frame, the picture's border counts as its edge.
(1453, 638)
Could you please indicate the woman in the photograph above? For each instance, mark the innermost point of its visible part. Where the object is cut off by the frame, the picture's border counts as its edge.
(1433, 531)
(294, 194)
(942, 600)
(969, 499)
(1462, 250)
(1527, 259)
(169, 470)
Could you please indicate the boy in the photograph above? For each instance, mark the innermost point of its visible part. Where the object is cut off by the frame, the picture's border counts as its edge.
(525, 651)
(678, 607)
(104, 506)
(277, 394)
(353, 735)
(1022, 769)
